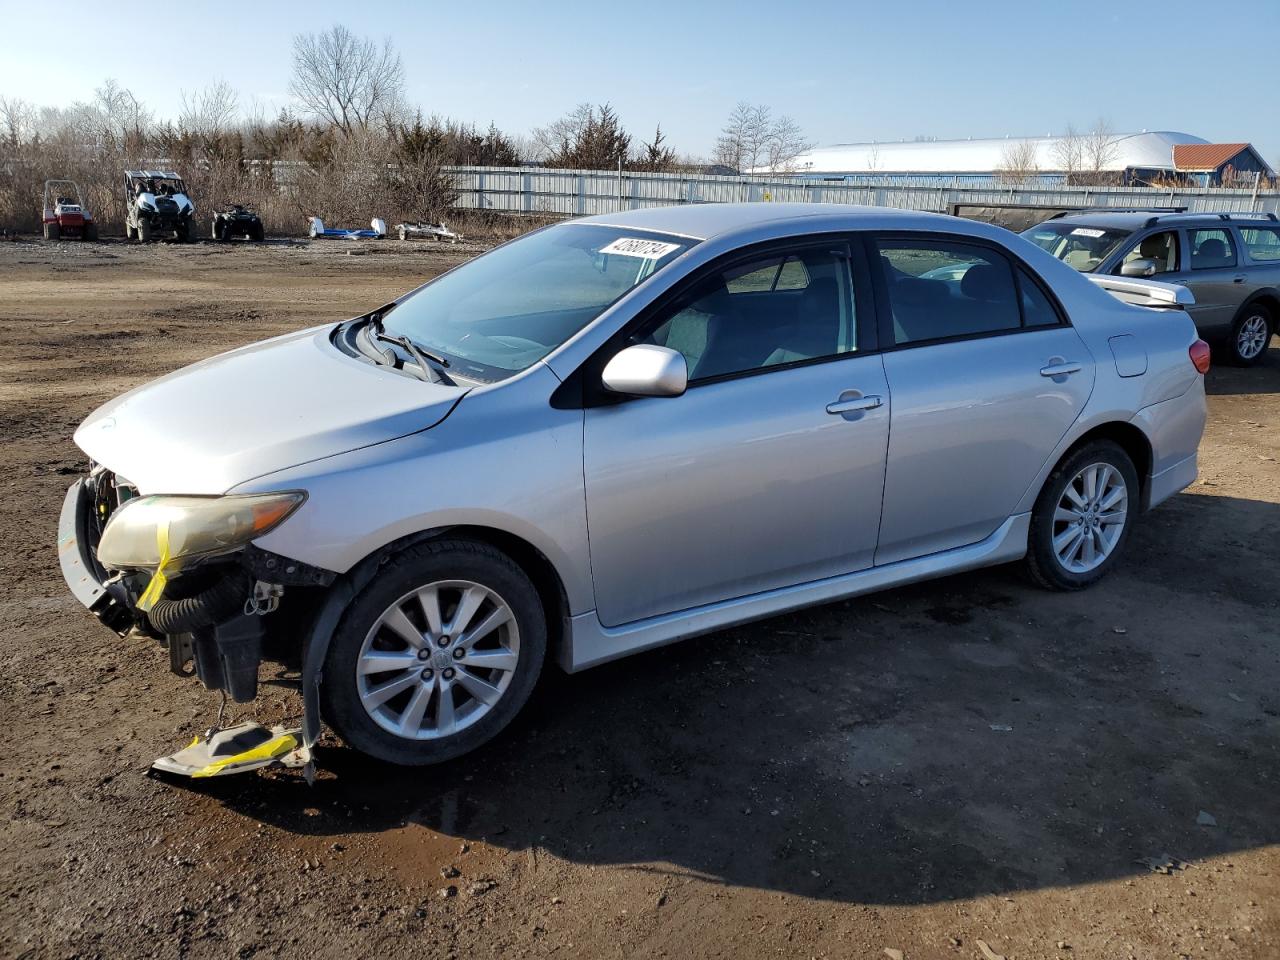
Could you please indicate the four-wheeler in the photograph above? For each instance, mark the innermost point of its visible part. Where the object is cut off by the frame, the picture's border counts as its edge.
(64, 213)
(234, 220)
(157, 206)
(620, 431)
(434, 231)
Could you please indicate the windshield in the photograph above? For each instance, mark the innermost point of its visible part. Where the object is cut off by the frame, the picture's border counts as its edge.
(1078, 246)
(500, 313)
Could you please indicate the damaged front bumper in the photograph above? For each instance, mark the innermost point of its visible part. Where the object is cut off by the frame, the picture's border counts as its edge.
(216, 620)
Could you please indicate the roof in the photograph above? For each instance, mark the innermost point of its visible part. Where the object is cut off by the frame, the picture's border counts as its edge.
(1205, 156)
(1147, 151)
(702, 221)
(1136, 219)
(153, 174)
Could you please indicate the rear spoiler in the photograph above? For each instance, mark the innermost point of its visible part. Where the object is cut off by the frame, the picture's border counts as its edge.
(1146, 293)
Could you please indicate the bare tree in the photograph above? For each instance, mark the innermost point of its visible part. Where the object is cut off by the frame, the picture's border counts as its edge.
(122, 117)
(1068, 153)
(210, 111)
(547, 140)
(744, 139)
(345, 80)
(17, 120)
(1019, 162)
(873, 157)
(1101, 147)
(785, 144)
(752, 139)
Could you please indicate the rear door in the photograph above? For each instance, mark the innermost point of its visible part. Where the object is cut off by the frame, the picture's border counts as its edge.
(986, 376)
(1214, 275)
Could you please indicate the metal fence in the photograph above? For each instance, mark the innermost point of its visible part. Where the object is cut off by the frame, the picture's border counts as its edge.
(579, 192)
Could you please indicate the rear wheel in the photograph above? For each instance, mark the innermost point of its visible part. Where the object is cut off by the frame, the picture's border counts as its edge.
(436, 655)
(144, 231)
(1250, 335)
(91, 231)
(1081, 520)
(52, 231)
(256, 231)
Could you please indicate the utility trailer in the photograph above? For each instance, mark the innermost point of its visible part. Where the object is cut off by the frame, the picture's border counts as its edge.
(318, 231)
(428, 231)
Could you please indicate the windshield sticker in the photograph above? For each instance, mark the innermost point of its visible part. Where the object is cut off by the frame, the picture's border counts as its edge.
(644, 249)
(1087, 232)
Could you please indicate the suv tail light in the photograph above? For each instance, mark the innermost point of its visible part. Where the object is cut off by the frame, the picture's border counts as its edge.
(1199, 353)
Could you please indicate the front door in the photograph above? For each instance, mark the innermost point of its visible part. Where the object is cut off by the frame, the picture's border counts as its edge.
(768, 471)
(986, 378)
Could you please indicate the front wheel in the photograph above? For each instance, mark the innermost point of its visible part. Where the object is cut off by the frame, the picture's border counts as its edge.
(1081, 520)
(144, 231)
(436, 656)
(1250, 335)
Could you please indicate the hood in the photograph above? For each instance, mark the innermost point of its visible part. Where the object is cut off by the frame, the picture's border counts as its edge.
(208, 427)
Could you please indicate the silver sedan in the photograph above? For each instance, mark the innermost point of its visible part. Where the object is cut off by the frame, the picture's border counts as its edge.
(622, 431)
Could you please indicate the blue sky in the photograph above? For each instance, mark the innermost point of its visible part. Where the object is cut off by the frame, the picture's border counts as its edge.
(847, 71)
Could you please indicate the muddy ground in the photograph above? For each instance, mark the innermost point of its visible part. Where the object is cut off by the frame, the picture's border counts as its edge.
(970, 759)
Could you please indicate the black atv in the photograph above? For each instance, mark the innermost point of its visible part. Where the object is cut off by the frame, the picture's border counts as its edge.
(234, 220)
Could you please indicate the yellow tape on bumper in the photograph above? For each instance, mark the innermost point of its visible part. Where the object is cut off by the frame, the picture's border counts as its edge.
(276, 747)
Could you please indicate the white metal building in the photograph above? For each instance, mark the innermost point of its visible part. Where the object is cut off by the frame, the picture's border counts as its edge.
(1133, 154)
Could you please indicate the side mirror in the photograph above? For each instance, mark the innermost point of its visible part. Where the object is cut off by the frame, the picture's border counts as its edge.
(646, 370)
(1139, 268)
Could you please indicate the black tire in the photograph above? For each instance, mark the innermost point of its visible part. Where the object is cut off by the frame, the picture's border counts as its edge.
(144, 231)
(429, 562)
(256, 232)
(1042, 562)
(192, 232)
(128, 231)
(1239, 344)
(215, 229)
(91, 231)
(52, 231)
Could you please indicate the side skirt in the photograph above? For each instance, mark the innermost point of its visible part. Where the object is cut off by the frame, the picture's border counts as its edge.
(591, 643)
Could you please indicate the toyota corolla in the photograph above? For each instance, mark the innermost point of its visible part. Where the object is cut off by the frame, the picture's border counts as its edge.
(622, 431)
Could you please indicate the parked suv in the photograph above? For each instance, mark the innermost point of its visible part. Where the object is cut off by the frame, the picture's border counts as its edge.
(1230, 262)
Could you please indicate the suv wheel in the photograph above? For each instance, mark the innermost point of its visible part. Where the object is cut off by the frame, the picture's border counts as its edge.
(436, 656)
(1250, 335)
(1081, 520)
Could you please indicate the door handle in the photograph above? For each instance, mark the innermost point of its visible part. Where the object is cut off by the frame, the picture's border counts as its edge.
(854, 405)
(1239, 279)
(1060, 369)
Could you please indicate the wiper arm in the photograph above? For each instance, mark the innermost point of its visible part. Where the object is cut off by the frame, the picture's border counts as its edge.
(432, 366)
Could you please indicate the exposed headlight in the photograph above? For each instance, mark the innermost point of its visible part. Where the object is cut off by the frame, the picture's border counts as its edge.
(145, 205)
(149, 532)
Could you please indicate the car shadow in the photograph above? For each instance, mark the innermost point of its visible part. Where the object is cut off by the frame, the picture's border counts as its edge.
(947, 740)
(1262, 377)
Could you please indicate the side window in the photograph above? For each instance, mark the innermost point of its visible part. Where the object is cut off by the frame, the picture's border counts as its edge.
(1037, 311)
(1262, 243)
(770, 311)
(1160, 248)
(942, 289)
(1211, 248)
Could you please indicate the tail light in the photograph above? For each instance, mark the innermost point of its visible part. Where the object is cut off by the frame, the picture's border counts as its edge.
(1199, 353)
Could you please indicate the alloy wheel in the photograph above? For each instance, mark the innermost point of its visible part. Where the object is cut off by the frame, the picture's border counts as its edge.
(1090, 518)
(438, 659)
(1251, 339)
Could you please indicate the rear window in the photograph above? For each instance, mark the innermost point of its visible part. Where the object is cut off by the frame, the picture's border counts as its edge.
(1262, 243)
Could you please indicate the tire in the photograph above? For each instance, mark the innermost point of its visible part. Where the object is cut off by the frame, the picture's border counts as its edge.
(404, 234)
(52, 231)
(1088, 556)
(144, 231)
(191, 233)
(257, 233)
(423, 676)
(128, 231)
(91, 232)
(215, 233)
(1250, 335)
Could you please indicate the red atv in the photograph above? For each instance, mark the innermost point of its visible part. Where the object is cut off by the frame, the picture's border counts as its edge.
(65, 217)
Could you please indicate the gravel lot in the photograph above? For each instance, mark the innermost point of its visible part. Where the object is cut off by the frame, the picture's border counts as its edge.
(966, 760)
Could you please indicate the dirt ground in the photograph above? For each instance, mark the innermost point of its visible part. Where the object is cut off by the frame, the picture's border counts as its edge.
(961, 761)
